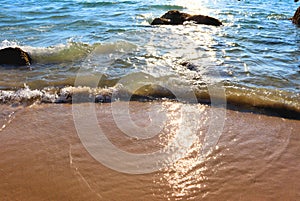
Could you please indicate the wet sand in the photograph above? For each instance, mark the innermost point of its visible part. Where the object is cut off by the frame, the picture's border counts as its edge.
(257, 157)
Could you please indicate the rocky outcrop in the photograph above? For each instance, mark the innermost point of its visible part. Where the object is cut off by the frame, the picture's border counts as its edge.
(296, 17)
(175, 17)
(14, 56)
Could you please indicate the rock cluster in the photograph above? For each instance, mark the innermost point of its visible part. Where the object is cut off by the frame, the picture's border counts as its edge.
(175, 17)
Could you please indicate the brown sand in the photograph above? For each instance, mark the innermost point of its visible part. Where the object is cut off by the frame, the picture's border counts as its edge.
(42, 158)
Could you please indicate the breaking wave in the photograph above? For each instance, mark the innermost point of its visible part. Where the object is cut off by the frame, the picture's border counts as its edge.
(283, 103)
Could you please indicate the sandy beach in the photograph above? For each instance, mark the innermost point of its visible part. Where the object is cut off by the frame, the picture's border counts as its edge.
(42, 158)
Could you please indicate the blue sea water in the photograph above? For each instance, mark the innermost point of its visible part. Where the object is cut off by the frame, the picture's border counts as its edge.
(254, 56)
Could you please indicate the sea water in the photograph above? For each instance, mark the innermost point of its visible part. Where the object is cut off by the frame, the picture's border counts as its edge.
(253, 57)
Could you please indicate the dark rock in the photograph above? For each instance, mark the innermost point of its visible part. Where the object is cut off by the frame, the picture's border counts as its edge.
(175, 17)
(202, 19)
(296, 17)
(14, 56)
(160, 21)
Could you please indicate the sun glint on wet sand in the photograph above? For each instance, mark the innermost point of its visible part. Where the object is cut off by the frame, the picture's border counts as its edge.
(42, 158)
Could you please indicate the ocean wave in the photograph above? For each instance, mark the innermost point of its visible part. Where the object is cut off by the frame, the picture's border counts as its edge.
(69, 52)
(122, 63)
(263, 98)
(104, 3)
(53, 54)
(166, 7)
(284, 103)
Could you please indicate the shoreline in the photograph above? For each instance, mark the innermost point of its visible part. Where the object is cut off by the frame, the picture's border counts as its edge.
(237, 102)
(42, 157)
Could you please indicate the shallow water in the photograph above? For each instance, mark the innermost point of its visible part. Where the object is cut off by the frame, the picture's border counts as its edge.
(42, 157)
(253, 57)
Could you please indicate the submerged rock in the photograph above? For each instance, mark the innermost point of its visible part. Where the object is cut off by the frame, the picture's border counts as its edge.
(189, 66)
(296, 17)
(14, 56)
(175, 17)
